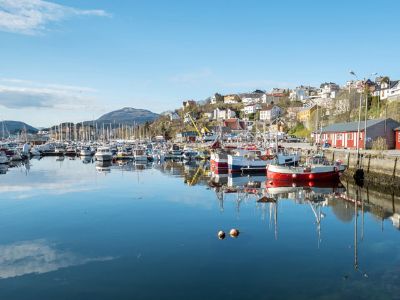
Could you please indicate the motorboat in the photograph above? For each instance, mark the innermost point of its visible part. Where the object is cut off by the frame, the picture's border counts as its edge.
(86, 151)
(70, 151)
(140, 155)
(243, 160)
(124, 153)
(103, 154)
(175, 152)
(316, 168)
(59, 150)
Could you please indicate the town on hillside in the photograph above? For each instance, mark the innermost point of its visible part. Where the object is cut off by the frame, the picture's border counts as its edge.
(327, 114)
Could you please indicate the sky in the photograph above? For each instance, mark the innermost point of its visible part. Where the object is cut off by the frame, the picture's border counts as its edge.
(78, 59)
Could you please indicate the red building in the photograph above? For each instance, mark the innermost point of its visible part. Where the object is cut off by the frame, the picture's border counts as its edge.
(397, 137)
(344, 135)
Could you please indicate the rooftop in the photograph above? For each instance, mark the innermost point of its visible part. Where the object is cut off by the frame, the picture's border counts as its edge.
(352, 126)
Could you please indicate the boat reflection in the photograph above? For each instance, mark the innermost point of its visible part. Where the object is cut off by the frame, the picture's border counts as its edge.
(103, 167)
(3, 169)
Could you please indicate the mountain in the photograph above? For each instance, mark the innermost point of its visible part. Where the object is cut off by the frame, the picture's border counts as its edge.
(13, 127)
(126, 115)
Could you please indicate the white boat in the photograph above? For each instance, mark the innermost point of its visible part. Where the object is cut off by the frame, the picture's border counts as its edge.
(85, 151)
(124, 153)
(3, 158)
(256, 161)
(59, 150)
(175, 152)
(71, 151)
(139, 155)
(103, 154)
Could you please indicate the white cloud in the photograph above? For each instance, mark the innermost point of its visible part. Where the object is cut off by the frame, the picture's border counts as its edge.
(19, 94)
(32, 16)
(38, 257)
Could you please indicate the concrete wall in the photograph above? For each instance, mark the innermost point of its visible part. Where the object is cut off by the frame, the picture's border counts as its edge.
(371, 163)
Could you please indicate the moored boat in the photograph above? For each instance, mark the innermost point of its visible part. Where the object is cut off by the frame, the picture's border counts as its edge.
(140, 155)
(317, 168)
(103, 154)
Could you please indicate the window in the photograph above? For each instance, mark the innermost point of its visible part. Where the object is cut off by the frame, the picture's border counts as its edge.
(350, 136)
(338, 136)
(398, 136)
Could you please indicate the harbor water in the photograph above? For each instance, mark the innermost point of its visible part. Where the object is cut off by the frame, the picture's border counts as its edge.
(76, 229)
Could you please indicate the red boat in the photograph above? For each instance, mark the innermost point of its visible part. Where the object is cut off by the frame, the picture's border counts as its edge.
(219, 161)
(317, 168)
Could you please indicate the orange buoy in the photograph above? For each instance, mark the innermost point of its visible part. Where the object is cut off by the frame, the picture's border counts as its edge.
(234, 233)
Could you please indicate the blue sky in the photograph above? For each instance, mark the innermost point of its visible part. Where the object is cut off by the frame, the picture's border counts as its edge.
(74, 60)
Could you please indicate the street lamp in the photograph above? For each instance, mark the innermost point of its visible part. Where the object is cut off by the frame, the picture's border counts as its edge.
(359, 114)
(359, 121)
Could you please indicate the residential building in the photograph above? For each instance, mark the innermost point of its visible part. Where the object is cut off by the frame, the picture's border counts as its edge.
(223, 114)
(394, 91)
(251, 98)
(251, 109)
(234, 124)
(301, 93)
(216, 98)
(291, 112)
(304, 114)
(345, 135)
(270, 113)
(328, 90)
(278, 92)
(231, 99)
(269, 99)
(188, 104)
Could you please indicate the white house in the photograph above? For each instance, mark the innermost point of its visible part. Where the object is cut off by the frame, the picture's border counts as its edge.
(223, 114)
(394, 91)
(251, 98)
(251, 109)
(270, 113)
(301, 93)
(328, 90)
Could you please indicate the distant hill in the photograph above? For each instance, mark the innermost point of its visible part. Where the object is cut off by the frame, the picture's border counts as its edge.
(13, 127)
(126, 115)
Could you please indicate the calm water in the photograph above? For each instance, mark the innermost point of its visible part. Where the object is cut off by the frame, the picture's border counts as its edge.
(69, 230)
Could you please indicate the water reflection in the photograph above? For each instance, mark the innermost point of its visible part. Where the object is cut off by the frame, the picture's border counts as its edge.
(336, 239)
(37, 256)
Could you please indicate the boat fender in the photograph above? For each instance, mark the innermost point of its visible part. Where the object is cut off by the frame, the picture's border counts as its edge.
(311, 176)
(234, 232)
(294, 176)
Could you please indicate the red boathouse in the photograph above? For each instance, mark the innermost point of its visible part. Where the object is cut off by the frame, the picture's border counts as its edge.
(344, 135)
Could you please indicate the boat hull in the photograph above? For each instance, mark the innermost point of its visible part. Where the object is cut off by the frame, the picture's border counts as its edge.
(299, 174)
